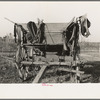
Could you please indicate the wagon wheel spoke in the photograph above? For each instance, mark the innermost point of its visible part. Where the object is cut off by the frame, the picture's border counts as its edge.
(22, 72)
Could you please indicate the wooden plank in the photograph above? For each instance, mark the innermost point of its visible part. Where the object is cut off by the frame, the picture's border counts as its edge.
(8, 58)
(41, 44)
(71, 70)
(46, 63)
(47, 47)
(30, 62)
(85, 76)
(39, 75)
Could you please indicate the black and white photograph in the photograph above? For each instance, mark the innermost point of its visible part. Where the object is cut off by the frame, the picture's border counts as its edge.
(53, 42)
(49, 43)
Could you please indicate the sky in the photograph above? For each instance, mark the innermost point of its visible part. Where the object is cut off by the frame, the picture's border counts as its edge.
(50, 12)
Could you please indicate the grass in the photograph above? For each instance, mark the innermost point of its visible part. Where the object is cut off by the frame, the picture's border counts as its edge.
(9, 74)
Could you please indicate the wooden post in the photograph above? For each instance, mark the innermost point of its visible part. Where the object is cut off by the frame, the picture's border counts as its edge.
(72, 79)
(77, 75)
(40, 74)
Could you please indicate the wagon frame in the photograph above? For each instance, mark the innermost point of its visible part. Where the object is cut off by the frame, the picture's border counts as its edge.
(38, 67)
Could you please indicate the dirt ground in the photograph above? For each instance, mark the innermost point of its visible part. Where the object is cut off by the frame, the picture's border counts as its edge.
(9, 73)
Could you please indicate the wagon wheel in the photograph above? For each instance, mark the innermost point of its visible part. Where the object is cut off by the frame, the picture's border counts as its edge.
(75, 77)
(22, 72)
(27, 72)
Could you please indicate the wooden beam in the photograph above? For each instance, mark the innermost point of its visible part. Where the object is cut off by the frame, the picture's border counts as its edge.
(41, 44)
(47, 47)
(8, 58)
(71, 70)
(46, 63)
(40, 74)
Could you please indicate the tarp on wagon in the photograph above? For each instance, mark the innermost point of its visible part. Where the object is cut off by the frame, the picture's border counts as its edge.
(53, 29)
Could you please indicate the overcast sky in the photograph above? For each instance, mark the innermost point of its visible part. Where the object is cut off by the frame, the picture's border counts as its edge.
(23, 12)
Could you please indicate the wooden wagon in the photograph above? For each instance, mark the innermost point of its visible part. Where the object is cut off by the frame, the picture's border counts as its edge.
(43, 45)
